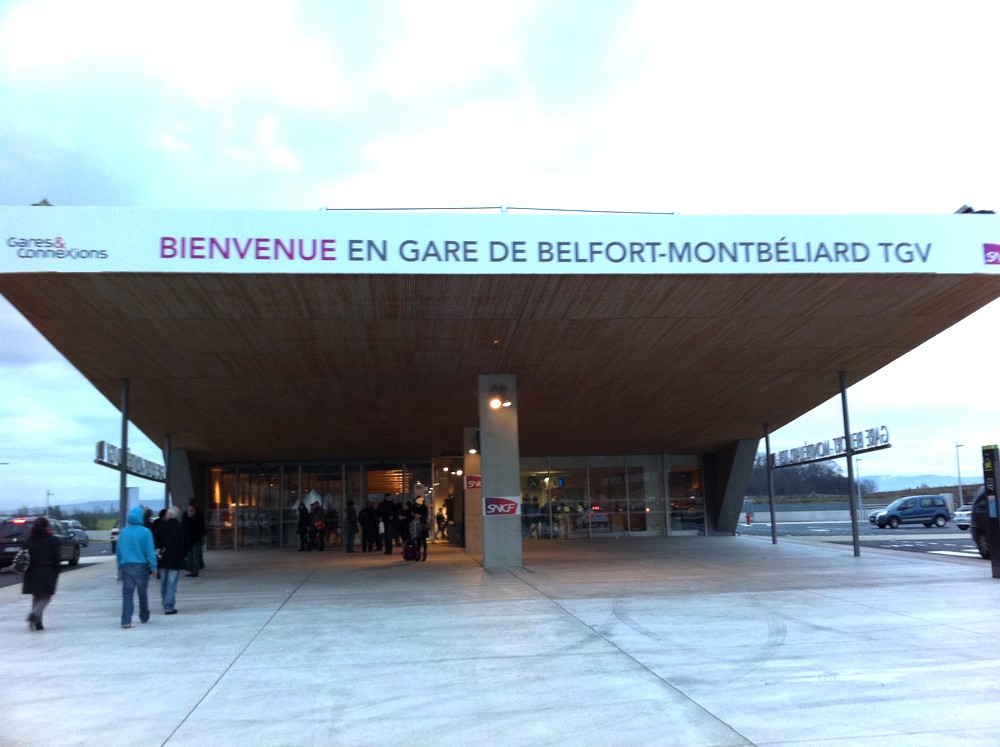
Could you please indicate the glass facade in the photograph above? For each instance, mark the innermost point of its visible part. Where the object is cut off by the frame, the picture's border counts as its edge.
(255, 505)
(611, 496)
(649, 495)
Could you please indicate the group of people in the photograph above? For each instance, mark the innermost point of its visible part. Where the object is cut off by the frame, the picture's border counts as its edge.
(174, 542)
(164, 547)
(382, 525)
(389, 523)
(316, 527)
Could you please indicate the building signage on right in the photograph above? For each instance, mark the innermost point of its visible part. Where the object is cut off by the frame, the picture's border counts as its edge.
(872, 438)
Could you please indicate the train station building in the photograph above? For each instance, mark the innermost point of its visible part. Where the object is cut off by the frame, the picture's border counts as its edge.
(534, 376)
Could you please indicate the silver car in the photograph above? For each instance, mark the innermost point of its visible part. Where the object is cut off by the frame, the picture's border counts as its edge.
(963, 516)
(78, 530)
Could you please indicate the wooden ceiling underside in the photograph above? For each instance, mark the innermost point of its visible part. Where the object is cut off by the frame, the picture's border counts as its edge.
(267, 367)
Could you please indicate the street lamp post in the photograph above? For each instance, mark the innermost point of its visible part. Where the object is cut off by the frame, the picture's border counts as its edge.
(861, 496)
(958, 465)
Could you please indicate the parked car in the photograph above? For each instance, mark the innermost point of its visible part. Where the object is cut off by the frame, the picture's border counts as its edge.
(980, 523)
(14, 533)
(594, 517)
(915, 509)
(79, 531)
(963, 517)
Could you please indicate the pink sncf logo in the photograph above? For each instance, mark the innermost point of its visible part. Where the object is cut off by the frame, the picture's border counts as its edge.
(991, 254)
(501, 507)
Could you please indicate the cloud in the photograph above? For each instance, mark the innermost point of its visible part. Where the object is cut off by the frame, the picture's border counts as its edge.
(51, 420)
(207, 52)
(702, 108)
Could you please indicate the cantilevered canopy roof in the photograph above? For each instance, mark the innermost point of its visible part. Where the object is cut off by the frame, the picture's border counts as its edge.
(291, 365)
(261, 367)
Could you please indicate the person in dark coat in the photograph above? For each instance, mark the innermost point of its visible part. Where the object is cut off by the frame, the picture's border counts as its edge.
(302, 528)
(194, 520)
(350, 525)
(387, 515)
(43, 571)
(421, 526)
(176, 544)
(368, 519)
(158, 539)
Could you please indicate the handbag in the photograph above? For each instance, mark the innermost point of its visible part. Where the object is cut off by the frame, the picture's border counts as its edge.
(22, 560)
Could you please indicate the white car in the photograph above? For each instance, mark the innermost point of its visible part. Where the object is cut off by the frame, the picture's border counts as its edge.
(963, 516)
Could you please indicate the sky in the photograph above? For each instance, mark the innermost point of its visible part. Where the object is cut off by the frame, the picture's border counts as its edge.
(708, 107)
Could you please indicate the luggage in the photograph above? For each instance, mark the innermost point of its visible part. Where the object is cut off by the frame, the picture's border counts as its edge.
(411, 550)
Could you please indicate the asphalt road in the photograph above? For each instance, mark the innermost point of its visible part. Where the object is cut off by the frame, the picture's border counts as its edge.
(947, 540)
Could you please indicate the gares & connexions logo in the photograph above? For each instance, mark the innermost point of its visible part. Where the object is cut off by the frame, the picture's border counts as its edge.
(54, 248)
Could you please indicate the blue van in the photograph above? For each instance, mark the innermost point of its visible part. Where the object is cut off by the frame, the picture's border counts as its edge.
(914, 509)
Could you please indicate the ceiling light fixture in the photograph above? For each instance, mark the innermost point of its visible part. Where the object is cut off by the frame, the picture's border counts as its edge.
(498, 397)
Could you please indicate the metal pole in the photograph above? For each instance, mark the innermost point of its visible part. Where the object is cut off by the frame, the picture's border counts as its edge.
(861, 495)
(958, 465)
(123, 459)
(167, 461)
(770, 485)
(852, 493)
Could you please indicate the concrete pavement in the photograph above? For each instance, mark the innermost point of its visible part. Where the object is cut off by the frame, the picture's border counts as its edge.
(682, 641)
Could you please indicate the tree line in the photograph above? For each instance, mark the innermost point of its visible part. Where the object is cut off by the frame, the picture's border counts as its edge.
(822, 478)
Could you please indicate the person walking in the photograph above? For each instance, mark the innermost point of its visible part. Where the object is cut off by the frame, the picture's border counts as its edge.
(350, 525)
(136, 558)
(43, 570)
(176, 554)
(442, 523)
(158, 539)
(196, 531)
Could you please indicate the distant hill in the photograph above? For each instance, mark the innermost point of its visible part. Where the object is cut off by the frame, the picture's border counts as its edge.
(888, 483)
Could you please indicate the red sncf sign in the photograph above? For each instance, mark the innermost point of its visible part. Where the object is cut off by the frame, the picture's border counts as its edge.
(500, 506)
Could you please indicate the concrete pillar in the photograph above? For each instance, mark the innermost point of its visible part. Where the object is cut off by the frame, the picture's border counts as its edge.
(472, 479)
(500, 458)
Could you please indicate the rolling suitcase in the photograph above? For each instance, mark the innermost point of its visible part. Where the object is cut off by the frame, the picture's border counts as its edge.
(411, 550)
